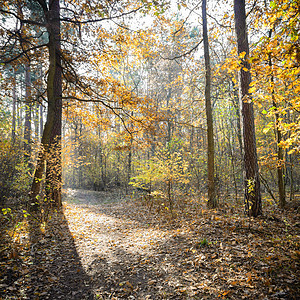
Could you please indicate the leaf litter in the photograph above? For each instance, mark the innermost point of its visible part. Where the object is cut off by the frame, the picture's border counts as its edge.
(105, 247)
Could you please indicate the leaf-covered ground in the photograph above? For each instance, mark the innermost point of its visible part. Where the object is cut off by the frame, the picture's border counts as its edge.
(102, 247)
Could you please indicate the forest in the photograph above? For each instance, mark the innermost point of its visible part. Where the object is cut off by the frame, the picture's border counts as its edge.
(149, 149)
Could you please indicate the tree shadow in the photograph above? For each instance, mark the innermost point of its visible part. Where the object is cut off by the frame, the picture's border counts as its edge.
(55, 270)
(181, 266)
(159, 274)
(129, 269)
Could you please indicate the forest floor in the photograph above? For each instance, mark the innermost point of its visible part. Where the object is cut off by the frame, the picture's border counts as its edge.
(105, 246)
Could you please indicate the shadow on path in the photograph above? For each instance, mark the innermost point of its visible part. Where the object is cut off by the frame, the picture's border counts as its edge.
(55, 270)
(129, 258)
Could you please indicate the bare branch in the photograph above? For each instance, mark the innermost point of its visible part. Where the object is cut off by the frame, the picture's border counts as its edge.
(23, 21)
(184, 54)
(194, 8)
(218, 23)
(24, 52)
(250, 11)
(101, 19)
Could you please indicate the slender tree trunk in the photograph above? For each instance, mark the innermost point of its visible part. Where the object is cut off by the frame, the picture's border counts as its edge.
(209, 118)
(233, 169)
(19, 106)
(28, 106)
(36, 121)
(129, 166)
(292, 187)
(14, 92)
(41, 106)
(41, 120)
(280, 164)
(238, 115)
(51, 139)
(251, 175)
(79, 154)
(168, 98)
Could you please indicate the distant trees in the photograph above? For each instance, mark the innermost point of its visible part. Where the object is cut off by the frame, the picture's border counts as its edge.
(146, 107)
(38, 26)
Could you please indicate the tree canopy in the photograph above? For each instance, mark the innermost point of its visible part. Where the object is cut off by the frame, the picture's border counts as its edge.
(187, 110)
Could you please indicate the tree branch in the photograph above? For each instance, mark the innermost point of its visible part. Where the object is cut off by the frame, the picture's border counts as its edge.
(100, 20)
(22, 53)
(43, 4)
(23, 21)
(184, 54)
(218, 23)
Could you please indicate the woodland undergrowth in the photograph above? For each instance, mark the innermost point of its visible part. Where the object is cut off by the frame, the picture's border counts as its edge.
(103, 245)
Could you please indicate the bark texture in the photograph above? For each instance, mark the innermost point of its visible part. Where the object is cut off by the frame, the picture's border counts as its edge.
(54, 92)
(14, 93)
(50, 154)
(251, 172)
(212, 203)
(28, 106)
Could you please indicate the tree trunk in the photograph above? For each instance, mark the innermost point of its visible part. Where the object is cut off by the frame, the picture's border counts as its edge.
(28, 105)
(236, 106)
(212, 203)
(41, 107)
(129, 166)
(36, 121)
(14, 93)
(51, 139)
(41, 120)
(280, 164)
(54, 94)
(251, 174)
(19, 106)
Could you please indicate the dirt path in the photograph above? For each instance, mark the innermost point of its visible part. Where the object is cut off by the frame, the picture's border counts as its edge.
(103, 247)
(128, 254)
(119, 249)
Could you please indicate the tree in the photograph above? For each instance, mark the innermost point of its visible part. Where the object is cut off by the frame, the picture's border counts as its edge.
(275, 64)
(280, 166)
(209, 118)
(251, 176)
(14, 95)
(51, 138)
(28, 106)
(43, 19)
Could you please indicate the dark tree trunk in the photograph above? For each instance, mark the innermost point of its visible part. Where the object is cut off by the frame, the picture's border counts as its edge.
(251, 176)
(51, 139)
(54, 94)
(28, 106)
(41, 120)
(36, 121)
(129, 166)
(280, 163)
(14, 93)
(212, 203)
